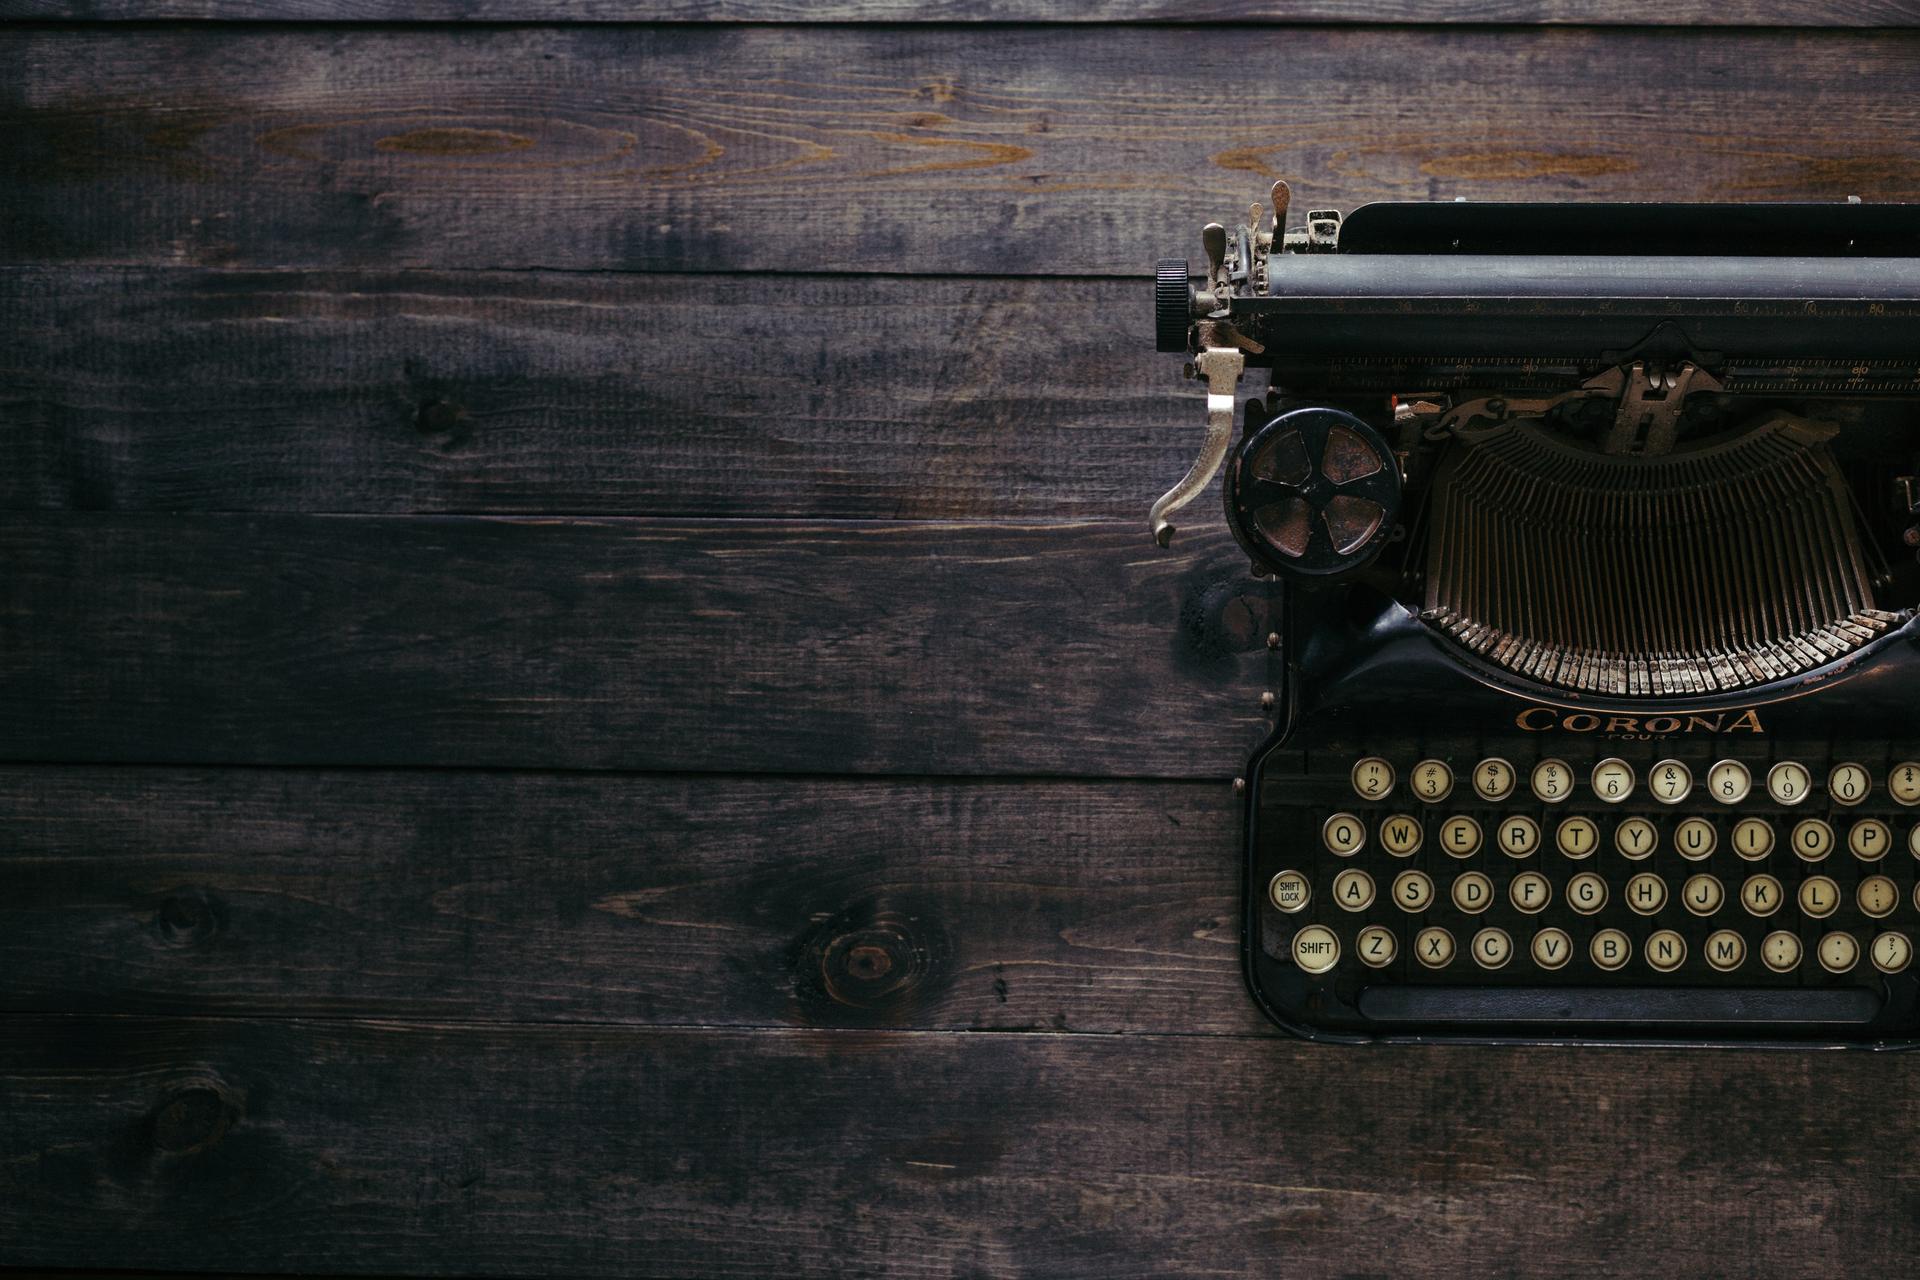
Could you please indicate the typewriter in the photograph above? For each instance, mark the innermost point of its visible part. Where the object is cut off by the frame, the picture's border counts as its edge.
(1594, 530)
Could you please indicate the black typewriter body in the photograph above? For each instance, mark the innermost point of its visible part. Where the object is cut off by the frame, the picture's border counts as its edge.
(1599, 708)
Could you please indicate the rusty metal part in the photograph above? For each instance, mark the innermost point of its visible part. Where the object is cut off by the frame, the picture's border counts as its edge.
(1221, 366)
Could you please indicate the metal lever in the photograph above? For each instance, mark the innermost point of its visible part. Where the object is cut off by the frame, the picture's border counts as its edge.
(1221, 367)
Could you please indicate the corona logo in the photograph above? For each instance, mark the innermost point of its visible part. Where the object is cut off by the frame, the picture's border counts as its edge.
(1542, 719)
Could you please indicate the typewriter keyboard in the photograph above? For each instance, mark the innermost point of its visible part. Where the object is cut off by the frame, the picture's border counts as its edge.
(1419, 882)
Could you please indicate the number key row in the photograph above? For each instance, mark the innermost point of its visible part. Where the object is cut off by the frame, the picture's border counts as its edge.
(1613, 780)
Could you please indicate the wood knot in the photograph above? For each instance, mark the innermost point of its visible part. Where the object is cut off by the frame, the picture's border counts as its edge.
(193, 1119)
(439, 417)
(188, 916)
(871, 964)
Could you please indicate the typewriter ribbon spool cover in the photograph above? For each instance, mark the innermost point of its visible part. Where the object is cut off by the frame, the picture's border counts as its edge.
(1598, 701)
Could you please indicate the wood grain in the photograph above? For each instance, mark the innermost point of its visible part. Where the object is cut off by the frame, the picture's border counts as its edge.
(1055, 150)
(1760, 13)
(930, 398)
(500, 1150)
(722, 901)
(736, 646)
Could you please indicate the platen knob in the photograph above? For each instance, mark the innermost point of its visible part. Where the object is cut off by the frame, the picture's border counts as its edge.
(1314, 493)
(1172, 305)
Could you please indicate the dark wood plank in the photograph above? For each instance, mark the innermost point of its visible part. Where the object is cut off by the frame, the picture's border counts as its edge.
(629, 644)
(1058, 150)
(596, 1151)
(611, 898)
(1761, 13)
(930, 398)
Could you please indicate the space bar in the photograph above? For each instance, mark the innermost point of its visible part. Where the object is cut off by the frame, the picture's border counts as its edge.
(1617, 1004)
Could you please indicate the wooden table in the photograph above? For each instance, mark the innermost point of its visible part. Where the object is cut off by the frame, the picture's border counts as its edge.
(584, 690)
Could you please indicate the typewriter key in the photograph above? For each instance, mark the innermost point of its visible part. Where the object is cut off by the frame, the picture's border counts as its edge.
(1400, 836)
(1434, 947)
(1316, 949)
(1289, 891)
(1519, 836)
(1725, 950)
(1372, 778)
(1472, 893)
(1666, 950)
(1670, 781)
(1869, 840)
(1780, 951)
(1460, 836)
(1877, 896)
(1376, 946)
(1413, 890)
(1530, 892)
(1613, 780)
(1577, 837)
(1789, 782)
(1646, 893)
(1812, 839)
(1702, 895)
(1552, 781)
(1551, 948)
(1729, 782)
(1849, 784)
(1819, 896)
(1761, 895)
(1492, 948)
(1493, 779)
(1839, 952)
(1904, 783)
(1610, 949)
(1913, 841)
(1694, 838)
(1752, 838)
(1344, 834)
(1891, 952)
(1353, 889)
(1635, 838)
(1431, 780)
(1586, 893)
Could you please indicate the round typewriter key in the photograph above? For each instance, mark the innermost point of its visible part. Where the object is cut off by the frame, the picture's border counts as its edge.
(1694, 838)
(1848, 784)
(1492, 948)
(1780, 951)
(1752, 838)
(1518, 836)
(1646, 893)
(1761, 895)
(1316, 949)
(1586, 893)
(1400, 836)
(1635, 838)
(1838, 952)
(1869, 840)
(1789, 782)
(1819, 896)
(1812, 839)
(1613, 780)
(1877, 896)
(1460, 836)
(1670, 782)
(1431, 780)
(1666, 950)
(1344, 834)
(1552, 781)
(1472, 893)
(1353, 889)
(1577, 837)
(1289, 891)
(1493, 779)
(1891, 952)
(1372, 778)
(1702, 895)
(1725, 950)
(1434, 947)
(1610, 949)
(1904, 783)
(1376, 946)
(1729, 782)
(1913, 840)
(1551, 948)
(1530, 892)
(1413, 890)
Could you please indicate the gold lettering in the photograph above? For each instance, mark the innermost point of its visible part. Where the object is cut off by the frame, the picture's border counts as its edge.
(1664, 724)
(1623, 724)
(1749, 721)
(1523, 717)
(1580, 723)
(1702, 722)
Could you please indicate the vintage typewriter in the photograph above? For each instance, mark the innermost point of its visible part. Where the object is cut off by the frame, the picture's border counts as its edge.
(1594, 529)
